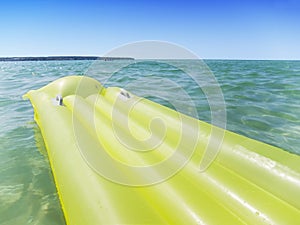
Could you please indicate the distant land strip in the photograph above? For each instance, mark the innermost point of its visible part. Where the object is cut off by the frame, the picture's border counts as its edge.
(53, 58)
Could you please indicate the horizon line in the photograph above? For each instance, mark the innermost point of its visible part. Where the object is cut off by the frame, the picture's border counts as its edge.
(94, 57)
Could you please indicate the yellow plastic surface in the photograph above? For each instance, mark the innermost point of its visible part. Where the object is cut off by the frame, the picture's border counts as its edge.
(118, 165)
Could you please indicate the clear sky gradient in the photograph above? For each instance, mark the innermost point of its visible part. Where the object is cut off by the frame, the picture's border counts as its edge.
(232, 29)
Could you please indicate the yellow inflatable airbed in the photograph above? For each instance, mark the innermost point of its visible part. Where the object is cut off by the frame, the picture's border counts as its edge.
(120, 159)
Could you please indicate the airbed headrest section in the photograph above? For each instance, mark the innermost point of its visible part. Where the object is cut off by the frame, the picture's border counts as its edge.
(72, 85)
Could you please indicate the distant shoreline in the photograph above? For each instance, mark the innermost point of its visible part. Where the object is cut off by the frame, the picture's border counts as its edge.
(53, 58)
(65, 58)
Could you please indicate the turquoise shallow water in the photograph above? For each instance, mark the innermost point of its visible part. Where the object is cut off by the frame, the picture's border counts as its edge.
(262, 102)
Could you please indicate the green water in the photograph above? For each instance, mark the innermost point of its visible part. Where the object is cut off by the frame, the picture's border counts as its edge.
(262, 102)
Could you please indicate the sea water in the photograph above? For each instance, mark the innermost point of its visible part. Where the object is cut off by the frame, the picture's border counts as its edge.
(261, 98)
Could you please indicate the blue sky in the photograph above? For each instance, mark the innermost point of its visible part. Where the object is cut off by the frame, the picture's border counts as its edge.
(212, 29)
